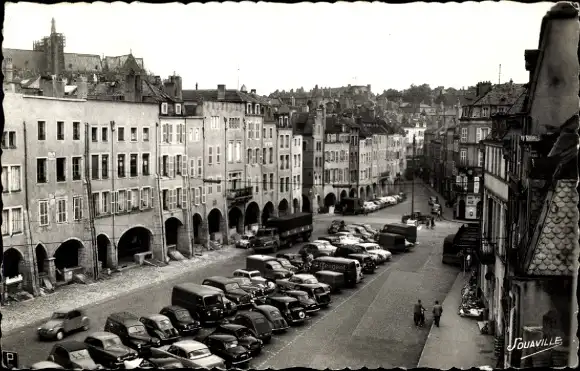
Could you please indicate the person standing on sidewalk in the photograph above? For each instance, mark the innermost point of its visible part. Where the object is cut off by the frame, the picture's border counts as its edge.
(437, 312)
(418, 313)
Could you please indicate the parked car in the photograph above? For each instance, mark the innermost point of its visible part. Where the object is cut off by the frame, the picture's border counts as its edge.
(273, 315)
(257, 291)
(204, 303)
(369, 206)
(229, 307)
(366, 261)
(131, 332)
(43, 365)
(346, 237)
(326, 245)
(108, 350)
(245, 241)
(244, 336)
(296, 282)
(294, 259)
(191, 353)
(63, 322)
(72, 354)
(374, 249)
(333, 240)
(231, 289)
(360, 232)
(289, 307)
(181, 319)
(333, 279)
(316, 250)
(285, 263)
(228, 348)
(160, 327)
(367, 227)
(256, 323)
(355, 248)
(335, 226)
(380, 204)
(306, 301)
(256, 278)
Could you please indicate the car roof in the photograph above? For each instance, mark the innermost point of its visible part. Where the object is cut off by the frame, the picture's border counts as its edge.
(197, 289)
(231, 326)
(173, 308)
(247, 271)
(330, 273)
(250, 314)
(304, 276)
(156, 317)
(189, 345)
(46, 365)
(71, 345)
(66, 310)
(267, 307)
(296, 292)
(260, 257)
(368, 244)
(101, 335)
(284, 299)
(219, 279)
(223, 337)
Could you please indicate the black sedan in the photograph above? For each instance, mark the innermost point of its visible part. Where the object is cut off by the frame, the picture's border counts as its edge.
(160, 327)
(257, 291)
(273, 315)
(108, 350)
(244, 336)
(228, 348)
(181, 320)
(72, 354)
(256, 323)
(289, 307)
(285, 263)
(294, 259)
(305, 300)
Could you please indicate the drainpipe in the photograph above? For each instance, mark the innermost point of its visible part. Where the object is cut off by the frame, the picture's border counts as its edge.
(203, 186)
(31, 251)
(91, 206)
(187, 185)
(159, 200)
(225, 239)
(291, 164)
(113, 193)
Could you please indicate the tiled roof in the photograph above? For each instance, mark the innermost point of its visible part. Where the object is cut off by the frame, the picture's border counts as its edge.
(555, 252)
(82, 62)
(333, 125)
(150, 90)
(211, 95)
(114, 63)
(518, 105)
(303, 123)
(503, 94)
(24, 59)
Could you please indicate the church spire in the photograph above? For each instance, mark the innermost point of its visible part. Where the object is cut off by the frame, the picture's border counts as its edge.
(53, 26)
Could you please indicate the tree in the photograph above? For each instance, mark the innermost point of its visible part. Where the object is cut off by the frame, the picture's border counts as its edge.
(417, 94)
(392, 94)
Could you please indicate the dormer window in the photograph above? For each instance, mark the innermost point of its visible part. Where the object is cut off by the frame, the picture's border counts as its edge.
(177, 109)
(164, 108)
(286, 121)
(249, 108)
(257, 110)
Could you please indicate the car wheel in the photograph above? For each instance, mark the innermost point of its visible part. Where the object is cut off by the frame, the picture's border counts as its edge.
(60, 335)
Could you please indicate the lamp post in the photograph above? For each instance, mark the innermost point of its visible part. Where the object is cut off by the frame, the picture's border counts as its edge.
(413, 178)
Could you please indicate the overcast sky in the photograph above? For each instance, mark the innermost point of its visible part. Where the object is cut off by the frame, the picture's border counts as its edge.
(280, 46)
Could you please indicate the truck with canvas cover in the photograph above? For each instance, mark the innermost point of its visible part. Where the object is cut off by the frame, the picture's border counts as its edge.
(351, 205)
(283, 231)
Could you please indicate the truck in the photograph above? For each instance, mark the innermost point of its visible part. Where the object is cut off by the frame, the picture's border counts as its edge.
(283, 232)
(351, 205)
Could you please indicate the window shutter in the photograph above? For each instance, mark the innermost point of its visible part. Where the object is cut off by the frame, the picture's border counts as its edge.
(184, 198)
(192, 167)
(170, 134)
(160, 165)
(184, 165)
(458, 180)
(164, 134)
(197, 196)
(203, 195)
(172, 166)
(478, 134)
(114, 196)
(151, 194)
(476, 184)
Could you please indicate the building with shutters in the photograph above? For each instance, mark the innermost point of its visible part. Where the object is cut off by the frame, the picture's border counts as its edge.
(284, 145)
(336, 159)
(296, 149)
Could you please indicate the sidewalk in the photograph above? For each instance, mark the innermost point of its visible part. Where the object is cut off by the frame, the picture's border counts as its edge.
(458, 342)
(447, 212)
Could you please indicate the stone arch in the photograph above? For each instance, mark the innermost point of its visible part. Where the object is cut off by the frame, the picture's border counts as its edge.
(252, 214)
(343, 194)
(68, 255)
(361, 193)
(236, 219)
(283, 207)
(352, 193)
(296, 205)
(384, 187)
(136, 240)
(176, 234)
(105, 251)
(369, 192)
(330, 200)
(197, 223)
(41, 256)
(375, 194)
(267, 212)
(306, 204)
(214, 222)
(13, 263)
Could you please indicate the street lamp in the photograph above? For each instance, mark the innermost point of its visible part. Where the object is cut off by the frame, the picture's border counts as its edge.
(413, 177)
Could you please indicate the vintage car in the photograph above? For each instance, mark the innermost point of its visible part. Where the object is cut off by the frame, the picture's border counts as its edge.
(191, 354)
(204, 303)
(369, 206)
(346, 238)
(231, 289)
(294, 259)
(360, 232)
(257, 279)
(333, 279)
(228, 348)
(72, 354)
(320, 294)
(257, 323)
(273, 315)
(309, 304)
(317, 249)
(228, 307)
(131, 332)
(43, 365)
(374, 249)
(366, 261)
(325, 245)
(63, 322)
(289, 307)
(244, 336)
(109, 351)
(160, 327)
(245, 241)
(257, 291)
(367, 228)
(181, 319)
(285, 263)
(335, 226)
(295, 282)
(355, 248)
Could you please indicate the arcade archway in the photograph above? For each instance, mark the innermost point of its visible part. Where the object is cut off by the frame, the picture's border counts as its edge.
(343, 194)
(214, 221)
(13, 263)
(296, 205)
(136, 240)
(236, 219)
(369, 192)
(268, 212)
(67, 255)
(330, 200)
(172, 228)
(41, 255)
(197, 222)
(361, 194)
(375, 190)
(352, 193)
(306, 204)
(252, 213)
(283, 207)
(104, 253)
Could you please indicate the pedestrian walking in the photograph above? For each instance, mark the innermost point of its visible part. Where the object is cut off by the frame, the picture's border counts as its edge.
(437, 312)
(418, 315)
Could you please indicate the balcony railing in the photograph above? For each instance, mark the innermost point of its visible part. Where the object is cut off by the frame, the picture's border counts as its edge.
(240, 195)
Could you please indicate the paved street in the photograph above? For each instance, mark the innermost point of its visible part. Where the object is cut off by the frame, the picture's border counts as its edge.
(368, 326)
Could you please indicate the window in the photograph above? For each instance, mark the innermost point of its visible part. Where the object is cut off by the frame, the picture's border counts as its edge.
(76, 130)
(121, 166)
(271, 154)
(464, 134)
(94, 166)
(61, 169)
(121, 134)
(264, 133)
(281, 180)
(95, 134)
(485, 112)
(42, 213)
(178, 109)
(199, 165)
(76, 168)
(218, 153)
(258, 160)
(133, 199)
(77, 208)
(256, 183)
(196, 196)
(202, 195)
(41, 170)
(164, 108)
(215, 122)
(59, 130)
(219, 185)
(96, 203)
(41, 130)
(178, 197)
(133, 164)
(121, 200)
(264, 158)
(133, 134)
(271, 181)
(145, 164)
(265, 182)
(230, 151)
(9, 140)
(271, 133)
(178, 164)
(463, 156)
(480, 159)
(287, 184)
(105, 166)
(145, 197)
(61, 211)
(105, 202)
(257, 131)
(209, 186)
(146, 134)
(196, 135)
(484, 133)
(210, 155)
(105, 134)
(250, 155)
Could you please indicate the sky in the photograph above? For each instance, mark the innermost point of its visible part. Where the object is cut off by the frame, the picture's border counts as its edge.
(268, 46)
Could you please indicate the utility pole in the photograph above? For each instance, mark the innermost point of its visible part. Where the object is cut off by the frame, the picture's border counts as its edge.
(499, 75)
(413, 178)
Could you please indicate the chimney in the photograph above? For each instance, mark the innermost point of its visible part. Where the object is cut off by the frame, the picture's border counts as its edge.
(221, 92)
(59, 87)
(158, 81)
(82, 88)
(178, 88)
(253, 91)
(46, 86)
(196, 86)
